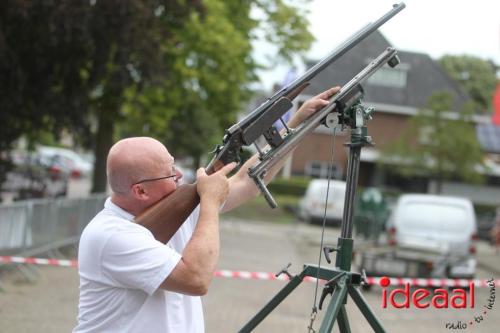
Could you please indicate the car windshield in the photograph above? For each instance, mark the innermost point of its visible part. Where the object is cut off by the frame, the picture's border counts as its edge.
(337, 190)
(432, 216)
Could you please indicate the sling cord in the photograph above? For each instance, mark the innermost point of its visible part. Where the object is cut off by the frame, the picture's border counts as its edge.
(314, 309)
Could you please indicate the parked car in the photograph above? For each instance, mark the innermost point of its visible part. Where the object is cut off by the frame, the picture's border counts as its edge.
(57, 166)
(427, 236)
(61, 160)
(32, 178)
(312, 205)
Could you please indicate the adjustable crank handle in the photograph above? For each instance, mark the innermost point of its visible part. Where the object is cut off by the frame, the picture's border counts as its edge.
(328, 289)
(327, 250)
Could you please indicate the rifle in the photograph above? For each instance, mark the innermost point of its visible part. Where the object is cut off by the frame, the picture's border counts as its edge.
(165, 217)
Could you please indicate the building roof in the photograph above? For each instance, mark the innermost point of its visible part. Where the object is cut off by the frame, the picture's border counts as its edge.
(422, 75)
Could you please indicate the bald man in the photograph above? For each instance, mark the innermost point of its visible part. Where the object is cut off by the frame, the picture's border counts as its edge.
(130, 282)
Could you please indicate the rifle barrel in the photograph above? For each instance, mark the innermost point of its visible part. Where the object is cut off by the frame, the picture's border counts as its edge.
(334, 55)
(314, 121)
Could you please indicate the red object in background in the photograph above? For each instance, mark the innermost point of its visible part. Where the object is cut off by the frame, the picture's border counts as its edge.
(496, 107)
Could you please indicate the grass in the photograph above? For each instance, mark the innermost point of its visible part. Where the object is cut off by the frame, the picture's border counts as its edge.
(258, 209)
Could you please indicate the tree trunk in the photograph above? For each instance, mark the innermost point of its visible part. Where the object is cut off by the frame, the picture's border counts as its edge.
(197, 162)
(439, 179)
(439, 185)
(104, 141)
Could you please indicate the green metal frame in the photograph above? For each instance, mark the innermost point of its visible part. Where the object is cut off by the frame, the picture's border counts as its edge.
(345, 282)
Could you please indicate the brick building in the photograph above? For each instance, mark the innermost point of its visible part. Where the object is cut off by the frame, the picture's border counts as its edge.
(397, 94)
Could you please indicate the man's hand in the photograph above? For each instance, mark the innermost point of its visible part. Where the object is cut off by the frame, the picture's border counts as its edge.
(312, 105)
(214, 187)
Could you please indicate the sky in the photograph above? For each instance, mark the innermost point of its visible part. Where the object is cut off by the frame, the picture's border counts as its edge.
(436, 28)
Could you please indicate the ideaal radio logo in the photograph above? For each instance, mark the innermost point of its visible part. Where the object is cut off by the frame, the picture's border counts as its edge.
(440, 298)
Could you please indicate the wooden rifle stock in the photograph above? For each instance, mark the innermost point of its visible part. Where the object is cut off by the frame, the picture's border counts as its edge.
(165, 217)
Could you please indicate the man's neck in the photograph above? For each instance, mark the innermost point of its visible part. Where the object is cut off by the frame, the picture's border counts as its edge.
(125, 204)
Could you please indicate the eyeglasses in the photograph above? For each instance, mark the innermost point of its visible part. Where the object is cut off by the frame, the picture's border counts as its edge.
(174, 175)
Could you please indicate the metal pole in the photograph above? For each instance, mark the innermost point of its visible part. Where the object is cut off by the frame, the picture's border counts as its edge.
(351, 181)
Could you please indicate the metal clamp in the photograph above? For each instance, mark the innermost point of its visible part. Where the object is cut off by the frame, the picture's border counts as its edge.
(284, 270)
(330, 288)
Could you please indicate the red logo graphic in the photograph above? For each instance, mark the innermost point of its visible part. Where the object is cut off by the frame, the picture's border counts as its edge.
(441, 298)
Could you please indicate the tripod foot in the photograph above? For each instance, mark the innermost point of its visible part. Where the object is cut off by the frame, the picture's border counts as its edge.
(365, 309)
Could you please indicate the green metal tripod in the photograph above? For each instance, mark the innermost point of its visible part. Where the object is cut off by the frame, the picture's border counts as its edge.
(341, 281)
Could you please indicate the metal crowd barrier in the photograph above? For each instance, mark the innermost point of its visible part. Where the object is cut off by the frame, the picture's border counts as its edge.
(34, 227)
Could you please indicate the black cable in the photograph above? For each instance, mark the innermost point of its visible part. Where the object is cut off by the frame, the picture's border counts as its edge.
(330, 172)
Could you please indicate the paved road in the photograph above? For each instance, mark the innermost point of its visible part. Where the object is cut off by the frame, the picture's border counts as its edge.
(268, 247)
(49, 305)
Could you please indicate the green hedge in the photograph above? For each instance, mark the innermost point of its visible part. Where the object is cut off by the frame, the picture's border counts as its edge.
(485, 209)
(295, 186)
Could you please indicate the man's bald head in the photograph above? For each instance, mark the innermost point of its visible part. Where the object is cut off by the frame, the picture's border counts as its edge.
(133, 159)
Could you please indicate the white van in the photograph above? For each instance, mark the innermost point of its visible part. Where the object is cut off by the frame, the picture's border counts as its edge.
(312, 205)
(427, 236)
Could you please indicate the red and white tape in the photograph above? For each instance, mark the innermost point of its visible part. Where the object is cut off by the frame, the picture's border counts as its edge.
(415, 282)
(39, 261)
(256, 275)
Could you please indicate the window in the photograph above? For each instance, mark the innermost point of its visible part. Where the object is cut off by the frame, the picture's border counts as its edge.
(425, 135)
(319, 169)
(390, 77)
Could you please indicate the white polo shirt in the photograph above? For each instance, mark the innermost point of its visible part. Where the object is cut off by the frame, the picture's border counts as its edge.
(121, 266)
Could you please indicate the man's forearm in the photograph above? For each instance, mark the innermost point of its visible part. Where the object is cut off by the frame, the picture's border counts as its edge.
(203, 249)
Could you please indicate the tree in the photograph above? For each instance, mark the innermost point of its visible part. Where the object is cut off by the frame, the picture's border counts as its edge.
(475, 75)
(40, 90)
(438, 143)
(129, 40)
(158, 67)
(211, 72)
(68, 65)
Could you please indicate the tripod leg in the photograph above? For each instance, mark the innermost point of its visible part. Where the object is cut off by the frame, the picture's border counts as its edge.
(333, 309)
(274, 302)
(343, 321)
(365, 310)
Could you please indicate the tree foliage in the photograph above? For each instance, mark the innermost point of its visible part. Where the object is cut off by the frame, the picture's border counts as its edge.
(68, 64)
(438, 144)
(129, 38)
(475, 75)
(211, 68)
(40, 86)
(174, 69)
(40, 90)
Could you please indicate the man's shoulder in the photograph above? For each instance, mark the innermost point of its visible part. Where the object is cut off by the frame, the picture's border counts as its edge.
(105, 224)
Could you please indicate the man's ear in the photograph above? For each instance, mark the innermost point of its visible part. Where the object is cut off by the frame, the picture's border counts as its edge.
(139, 192)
